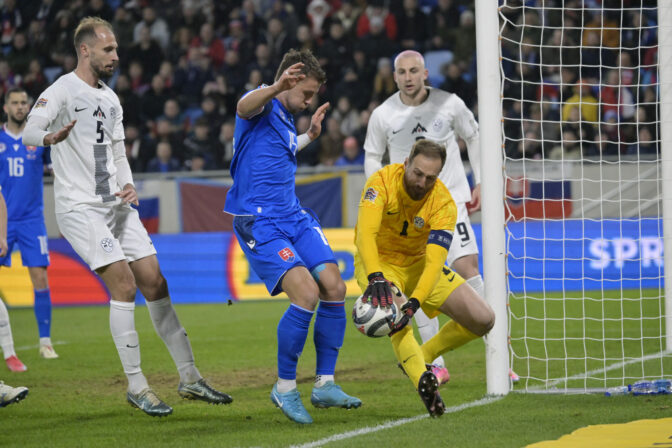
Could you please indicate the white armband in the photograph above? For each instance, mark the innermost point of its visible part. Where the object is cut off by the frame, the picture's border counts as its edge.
(302, 141)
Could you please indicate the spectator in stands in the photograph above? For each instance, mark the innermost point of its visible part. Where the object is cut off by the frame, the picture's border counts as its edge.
(584, 100)
(123, 25)
(331, 142)
(352, 153)
(444, 17)
(376, 43)
(38, 40)
(192, 74)
(200, 144)
(153, 101)
(383, 83)
(237, 39)
(225, 153)
(645, 144)
(252, 22)
(567, 149)
(310, 154)
(172, 113)
(317, 13)
(20, 54)
(7, 78)
(455, 83)
(61, 36)
(234, 71)
(210, 112)
(34, 81)
(529, 147)
(605, 26)
(209, 45)
(138, 152)
(254, 80)
(11, 20)
(98, 8)
(146, 51)
(346, 116)
(277, 39)
(43, 10)
(286, 13)
(190, 18)
(377, 12)
(158, 28)
(304, 39)
(347, 15)
(336, 50)
(413, 26)
(136, 75)
(262, 62)
(164, 131)
(129, 100)
(164, 161)
(463, 40)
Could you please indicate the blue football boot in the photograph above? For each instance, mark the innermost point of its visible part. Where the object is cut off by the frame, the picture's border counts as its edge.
(330, 395)
(290, 404)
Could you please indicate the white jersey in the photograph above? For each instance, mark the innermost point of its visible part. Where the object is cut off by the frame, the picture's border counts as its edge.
(84, 168)
(440, 118)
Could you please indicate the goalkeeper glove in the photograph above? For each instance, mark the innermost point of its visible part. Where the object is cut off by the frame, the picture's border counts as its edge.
(407, 311)
(378, 291)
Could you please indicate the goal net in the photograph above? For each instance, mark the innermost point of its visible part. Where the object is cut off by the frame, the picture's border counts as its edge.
(582, 101)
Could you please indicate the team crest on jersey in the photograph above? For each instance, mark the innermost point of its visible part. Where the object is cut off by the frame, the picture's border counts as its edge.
(437, 125)
(286, 254)
(418, 222)
(31, 152)
(98, 113)
(3, 147)
(107, 244)
(418, 128)
(370, 195)
(42, 102)
(113, 113)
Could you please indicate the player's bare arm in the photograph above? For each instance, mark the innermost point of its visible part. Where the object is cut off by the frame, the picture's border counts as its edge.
(128, 195)
(250, 104)
(60, 135)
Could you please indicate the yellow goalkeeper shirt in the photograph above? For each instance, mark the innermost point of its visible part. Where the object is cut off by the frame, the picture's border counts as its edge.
(393, 227)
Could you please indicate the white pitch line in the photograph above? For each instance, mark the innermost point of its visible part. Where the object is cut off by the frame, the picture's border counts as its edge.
(615, 366)
(30, 347)
(394, 423)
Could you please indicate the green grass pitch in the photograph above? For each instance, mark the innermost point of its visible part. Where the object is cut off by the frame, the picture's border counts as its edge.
(79, 399)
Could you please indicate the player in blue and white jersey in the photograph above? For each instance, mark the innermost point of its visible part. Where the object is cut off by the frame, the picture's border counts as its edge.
(283, 242)
(21, 171)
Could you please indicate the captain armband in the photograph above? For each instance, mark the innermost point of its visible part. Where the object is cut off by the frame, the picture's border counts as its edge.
(442, 238)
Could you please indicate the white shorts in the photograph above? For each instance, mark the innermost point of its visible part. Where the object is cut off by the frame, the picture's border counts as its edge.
(104, 235)
(464, 239)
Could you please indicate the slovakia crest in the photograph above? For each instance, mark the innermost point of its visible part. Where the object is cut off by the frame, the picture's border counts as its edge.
(286, 254)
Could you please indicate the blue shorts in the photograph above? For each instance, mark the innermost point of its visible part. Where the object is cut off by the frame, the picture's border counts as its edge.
(31, 235)
(273, 246)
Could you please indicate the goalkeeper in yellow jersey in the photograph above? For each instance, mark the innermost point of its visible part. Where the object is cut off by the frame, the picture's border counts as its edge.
(404, 230)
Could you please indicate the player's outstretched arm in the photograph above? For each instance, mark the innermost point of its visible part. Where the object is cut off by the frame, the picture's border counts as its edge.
(252, 103)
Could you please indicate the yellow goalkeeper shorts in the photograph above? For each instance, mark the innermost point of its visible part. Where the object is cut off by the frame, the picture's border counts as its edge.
(406, 277)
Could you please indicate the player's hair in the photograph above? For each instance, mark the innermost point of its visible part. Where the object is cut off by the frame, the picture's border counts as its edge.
(87, 29)
(428, 148)
(311, 68)
(407, 54)
(14, 90)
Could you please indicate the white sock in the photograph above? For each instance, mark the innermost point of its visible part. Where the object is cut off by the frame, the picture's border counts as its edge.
(285, 386)
(168, 327)
(122, 327)
(476, 282)
(428, 328)
(6, 341)
(45, 341)
(321, 380)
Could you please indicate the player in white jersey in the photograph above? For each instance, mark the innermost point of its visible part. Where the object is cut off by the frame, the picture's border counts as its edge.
(81, 118)
(415, 112)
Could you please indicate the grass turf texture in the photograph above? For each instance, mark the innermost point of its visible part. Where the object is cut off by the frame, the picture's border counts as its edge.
(79, 399)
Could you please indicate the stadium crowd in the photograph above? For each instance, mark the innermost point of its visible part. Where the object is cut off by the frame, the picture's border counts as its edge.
(184, 64)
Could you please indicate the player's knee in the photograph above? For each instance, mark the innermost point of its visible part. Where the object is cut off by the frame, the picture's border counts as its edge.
(127, 289)
(485, 322)
(155, 287)
(337, 290)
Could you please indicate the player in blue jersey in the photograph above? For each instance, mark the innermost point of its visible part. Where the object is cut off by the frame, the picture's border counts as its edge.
(21, 171)
(283, 242)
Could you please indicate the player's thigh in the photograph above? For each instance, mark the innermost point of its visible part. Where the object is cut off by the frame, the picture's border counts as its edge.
(131, 233)
(300, 287)
(11, 239)
(468, 309)
(449, 281)
(269, 252)
(31, 236)
(464, 239)
(88, 232)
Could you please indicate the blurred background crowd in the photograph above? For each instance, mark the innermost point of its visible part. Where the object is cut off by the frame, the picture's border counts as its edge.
(184, 64)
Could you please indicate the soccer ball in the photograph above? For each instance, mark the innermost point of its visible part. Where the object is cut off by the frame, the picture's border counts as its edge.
(371, 321)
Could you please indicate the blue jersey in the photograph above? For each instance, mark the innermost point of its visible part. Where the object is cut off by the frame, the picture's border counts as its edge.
(21, 171)
(264, 164)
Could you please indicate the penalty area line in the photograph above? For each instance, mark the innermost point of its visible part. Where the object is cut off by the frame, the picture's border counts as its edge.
(394, 423)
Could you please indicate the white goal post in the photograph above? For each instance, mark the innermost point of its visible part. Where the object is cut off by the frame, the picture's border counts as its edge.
(575, 113)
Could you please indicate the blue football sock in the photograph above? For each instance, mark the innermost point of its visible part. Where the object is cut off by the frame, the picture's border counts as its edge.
(292, 333)
(42, 309)
(328, 335)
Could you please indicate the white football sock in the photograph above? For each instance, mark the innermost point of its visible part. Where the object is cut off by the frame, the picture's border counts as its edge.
(476, 282)
(45, 341)
(168, 327)
(428, 328)
(321, 380)
(285, 386)
(6, 341)
(122, 327)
